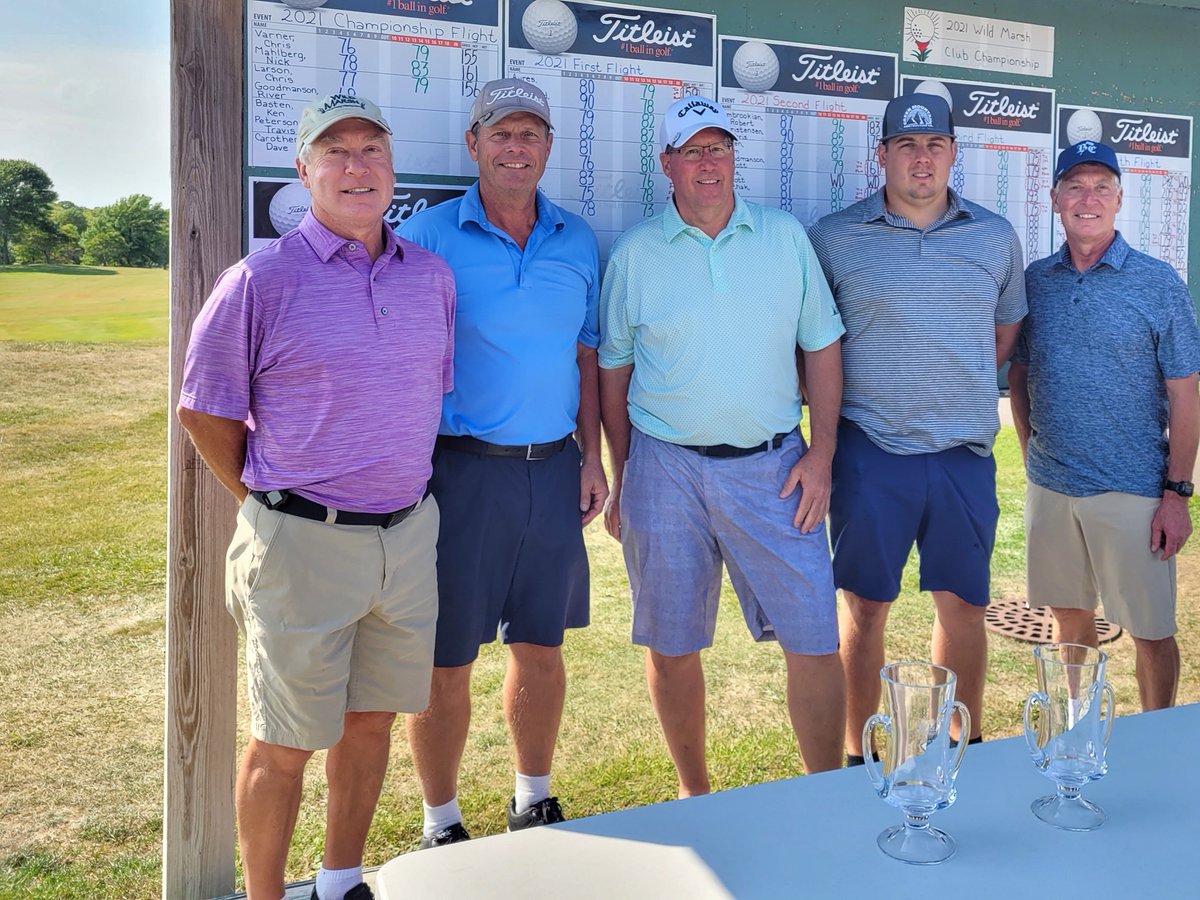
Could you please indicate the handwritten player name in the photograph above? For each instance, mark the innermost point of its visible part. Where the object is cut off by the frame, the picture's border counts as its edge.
(992, 103)
(630, 27)
(819, 68)
(1141, 130)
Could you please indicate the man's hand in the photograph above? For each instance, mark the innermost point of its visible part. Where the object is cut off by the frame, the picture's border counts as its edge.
(612, 513)
(593, 490)
(1171, 525)
(813, 475)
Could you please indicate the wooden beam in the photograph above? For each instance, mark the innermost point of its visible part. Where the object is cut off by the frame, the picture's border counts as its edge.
(201, 673)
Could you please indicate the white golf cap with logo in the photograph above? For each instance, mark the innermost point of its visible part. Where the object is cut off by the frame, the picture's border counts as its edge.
(506, 96)
(688, 115)
(317, 117)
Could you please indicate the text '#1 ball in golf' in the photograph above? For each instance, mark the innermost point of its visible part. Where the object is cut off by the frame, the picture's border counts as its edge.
(549, 26)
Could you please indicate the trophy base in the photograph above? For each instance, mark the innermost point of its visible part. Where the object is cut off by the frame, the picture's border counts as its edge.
(917, 846)
(1067, 813)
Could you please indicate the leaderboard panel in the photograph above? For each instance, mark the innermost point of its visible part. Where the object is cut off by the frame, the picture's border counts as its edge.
(421, 62)
(808, 120)
(610, 72)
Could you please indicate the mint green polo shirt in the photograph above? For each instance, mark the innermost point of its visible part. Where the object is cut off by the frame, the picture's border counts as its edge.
(711, 325)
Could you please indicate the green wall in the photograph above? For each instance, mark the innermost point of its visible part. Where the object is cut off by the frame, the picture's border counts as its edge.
(1108, 53)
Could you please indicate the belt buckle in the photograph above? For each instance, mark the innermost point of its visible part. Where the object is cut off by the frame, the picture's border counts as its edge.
(395, 518)
(529, 457)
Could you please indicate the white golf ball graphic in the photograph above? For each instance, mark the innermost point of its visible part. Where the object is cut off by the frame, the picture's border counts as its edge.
(549, 26)
(755, 66)
(304, 4)
(288, 206)
(937, 89)
(1084, 125)
(921, 27)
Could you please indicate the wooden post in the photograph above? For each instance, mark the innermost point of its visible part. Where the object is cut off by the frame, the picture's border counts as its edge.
(201, 673)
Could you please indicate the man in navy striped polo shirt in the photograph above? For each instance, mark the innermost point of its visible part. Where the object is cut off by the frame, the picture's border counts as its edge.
(1104, 399)
(931, 290)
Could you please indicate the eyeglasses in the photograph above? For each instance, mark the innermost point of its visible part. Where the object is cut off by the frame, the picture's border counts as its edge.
(1105, 190)
(715, 152)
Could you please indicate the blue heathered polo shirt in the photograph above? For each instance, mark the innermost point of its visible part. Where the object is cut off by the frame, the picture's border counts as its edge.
(1099, 345)
(520, 315)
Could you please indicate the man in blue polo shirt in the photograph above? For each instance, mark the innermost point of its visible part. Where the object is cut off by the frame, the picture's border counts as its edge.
(931, 290)
(1105, 402)
(703, 309)
(517, 471)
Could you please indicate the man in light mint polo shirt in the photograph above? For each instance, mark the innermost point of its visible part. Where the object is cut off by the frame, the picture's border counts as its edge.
(931, 290)
(1105, 401)
(703, 310)
(517, 470)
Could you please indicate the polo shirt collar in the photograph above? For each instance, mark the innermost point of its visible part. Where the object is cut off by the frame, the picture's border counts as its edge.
(673, 224)
(549, 216)
(1114, 257)
(875, 209)
(325, 243)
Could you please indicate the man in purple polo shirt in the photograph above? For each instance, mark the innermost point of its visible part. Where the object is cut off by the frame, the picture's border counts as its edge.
(313, 388)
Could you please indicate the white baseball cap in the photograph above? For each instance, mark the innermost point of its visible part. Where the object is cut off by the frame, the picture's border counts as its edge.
(317, 117)
(688, 115)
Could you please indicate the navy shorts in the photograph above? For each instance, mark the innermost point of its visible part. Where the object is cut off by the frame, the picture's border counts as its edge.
(510, 551)
(882, 502)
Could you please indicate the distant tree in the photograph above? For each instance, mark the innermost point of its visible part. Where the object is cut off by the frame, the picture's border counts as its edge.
(64, 212)
(130, 232)
(26, 193)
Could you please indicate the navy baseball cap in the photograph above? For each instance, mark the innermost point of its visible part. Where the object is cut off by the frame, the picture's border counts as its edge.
(917, 114)
(1086, 152)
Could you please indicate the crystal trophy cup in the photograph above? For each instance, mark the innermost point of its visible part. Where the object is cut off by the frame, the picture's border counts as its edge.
(917, 765)
(1066, 733)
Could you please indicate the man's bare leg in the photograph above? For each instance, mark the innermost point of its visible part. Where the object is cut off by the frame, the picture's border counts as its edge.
(677, 690)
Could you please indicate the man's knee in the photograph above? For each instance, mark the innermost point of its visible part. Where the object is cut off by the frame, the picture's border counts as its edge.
(955, 612)
(369, 724)
(1160, 648)
(275, 760)
(537, 657)
(868, 616)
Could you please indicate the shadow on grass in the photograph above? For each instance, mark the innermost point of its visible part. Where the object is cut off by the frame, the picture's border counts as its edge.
(56, 270)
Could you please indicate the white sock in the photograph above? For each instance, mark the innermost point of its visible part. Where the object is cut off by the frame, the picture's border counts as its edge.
(332, 884)
(1075, 710)
(530, 790)
(439, 817)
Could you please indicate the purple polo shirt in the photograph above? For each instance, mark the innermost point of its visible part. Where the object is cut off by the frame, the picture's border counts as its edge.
(336, 364)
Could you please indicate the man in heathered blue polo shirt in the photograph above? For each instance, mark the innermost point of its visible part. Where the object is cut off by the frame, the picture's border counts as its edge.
(703, 309)
(514, 485)
(1105, 401)
(931, 290)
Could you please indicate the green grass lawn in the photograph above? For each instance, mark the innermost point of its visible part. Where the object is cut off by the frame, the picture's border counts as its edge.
(82, 303)
(82, 596)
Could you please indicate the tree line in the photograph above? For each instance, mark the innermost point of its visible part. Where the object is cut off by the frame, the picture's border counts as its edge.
(38, 228)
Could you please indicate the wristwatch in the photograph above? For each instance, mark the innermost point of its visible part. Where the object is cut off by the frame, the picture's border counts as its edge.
(1182, 488)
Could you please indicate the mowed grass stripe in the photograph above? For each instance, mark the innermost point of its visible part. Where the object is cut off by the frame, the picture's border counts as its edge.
(64, 303)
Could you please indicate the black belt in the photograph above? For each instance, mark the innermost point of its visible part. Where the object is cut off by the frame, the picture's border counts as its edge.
(728, 451)
(464, 444)
(295, 505)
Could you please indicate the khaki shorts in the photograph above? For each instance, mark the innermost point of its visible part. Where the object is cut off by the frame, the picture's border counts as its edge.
(1082, 550)
(337, 619)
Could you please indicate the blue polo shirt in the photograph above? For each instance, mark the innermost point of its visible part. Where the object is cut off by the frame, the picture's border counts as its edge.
(1099, 345)
(711, 325)
(520, 316)
(921, 308)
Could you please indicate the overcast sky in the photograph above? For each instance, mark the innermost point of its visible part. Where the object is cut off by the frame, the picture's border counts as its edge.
(84, 93)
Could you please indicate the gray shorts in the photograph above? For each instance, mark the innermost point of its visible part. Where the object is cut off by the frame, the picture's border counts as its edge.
(683, 514)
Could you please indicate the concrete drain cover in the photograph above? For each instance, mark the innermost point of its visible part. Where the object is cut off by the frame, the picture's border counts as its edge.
(1012, 618)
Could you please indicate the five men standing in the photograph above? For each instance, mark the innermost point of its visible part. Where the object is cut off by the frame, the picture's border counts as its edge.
(931, 290)
(1105, 402)
(314, 383)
